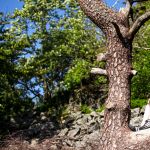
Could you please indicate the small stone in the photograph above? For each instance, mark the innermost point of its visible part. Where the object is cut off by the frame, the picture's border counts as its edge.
(77, 115)
(69, 143)
(34, 142)
(136, 121)
(12, 120)
(43, 118)
(79, 122)
(34, 121)
(89, 118)
(93, 128)
(82, 120)
(63, 132)
(25, 142)
(53, 147)
(34, 108)
(42, 114)
(69, 121)
(73, 133)
(94, 114)
(102, 114)
(135, 112)
(51, 125)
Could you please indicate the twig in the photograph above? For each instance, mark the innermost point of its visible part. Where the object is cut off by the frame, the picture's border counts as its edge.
(145, 48)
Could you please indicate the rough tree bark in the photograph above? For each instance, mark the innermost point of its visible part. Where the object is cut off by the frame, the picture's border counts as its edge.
(116, 134)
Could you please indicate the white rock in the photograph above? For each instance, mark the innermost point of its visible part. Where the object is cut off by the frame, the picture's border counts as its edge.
(43, 118)
(34, 142)
(53, 147)
(12, 120)
(42, 114)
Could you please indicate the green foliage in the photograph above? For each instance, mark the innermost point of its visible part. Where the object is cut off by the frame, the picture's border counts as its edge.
(140, 83)
(138, 103)
(13, 99)
(100, 109)
(61, 44)
(61, 113)
(78, 72)
(141, 58)
(85, 109)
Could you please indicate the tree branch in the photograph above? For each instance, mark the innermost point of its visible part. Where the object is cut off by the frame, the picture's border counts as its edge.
(99, 13)
(144, 48)
(29, 89)
(137, 24)
(98, 71)
(101, 57)
(126, 11)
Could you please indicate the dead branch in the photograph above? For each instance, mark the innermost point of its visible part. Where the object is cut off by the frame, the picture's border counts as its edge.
(98, 71)
(101, 57)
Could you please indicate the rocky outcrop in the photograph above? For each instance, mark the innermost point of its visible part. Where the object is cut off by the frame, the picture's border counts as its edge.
(75, 131)
(80, 128)
(137, 116)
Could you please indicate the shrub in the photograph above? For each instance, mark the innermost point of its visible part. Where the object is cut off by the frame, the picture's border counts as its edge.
(85, 109)
(100, 109)
(138, 103)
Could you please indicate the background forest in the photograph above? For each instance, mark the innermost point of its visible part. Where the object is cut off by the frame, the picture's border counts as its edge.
(46, 52)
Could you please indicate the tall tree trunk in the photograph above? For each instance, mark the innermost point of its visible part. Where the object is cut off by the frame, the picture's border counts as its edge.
(116, 135)
(117, 113)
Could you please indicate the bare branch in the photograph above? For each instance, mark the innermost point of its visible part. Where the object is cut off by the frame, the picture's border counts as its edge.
(128, 7)
(126, 11)
(36, 94)
(145, 48)
(137, 24)
(96, 10)
(101, 57)
(98, 71)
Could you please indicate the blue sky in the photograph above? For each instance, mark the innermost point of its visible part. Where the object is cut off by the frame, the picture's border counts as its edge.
(10, 5)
